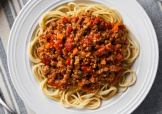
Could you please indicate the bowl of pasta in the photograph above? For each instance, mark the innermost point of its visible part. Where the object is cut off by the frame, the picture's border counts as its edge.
(82, 56)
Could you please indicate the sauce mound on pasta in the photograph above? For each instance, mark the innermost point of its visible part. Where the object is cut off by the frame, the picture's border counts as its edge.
(82, 52)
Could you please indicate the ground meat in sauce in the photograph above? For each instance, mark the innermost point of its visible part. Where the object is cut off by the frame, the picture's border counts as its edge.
(82, 52)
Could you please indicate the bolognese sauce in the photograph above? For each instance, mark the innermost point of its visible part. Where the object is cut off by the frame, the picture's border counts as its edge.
(82, 52)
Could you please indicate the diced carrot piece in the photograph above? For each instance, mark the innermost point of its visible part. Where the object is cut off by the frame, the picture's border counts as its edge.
(115, 28)
(117, 24)
(75, 51)
(50, 81)
(80, 83)
(60, 36)
(118, 68)
(118, 56)
(47, 45)
(103, 62)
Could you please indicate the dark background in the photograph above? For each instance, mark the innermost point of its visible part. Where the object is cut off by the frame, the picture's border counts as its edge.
(153, 102)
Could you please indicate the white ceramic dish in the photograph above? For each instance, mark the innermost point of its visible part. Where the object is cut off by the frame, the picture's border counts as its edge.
(20, 67)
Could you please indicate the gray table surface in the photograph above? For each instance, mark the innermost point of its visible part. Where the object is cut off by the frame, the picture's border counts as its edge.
(8, 12)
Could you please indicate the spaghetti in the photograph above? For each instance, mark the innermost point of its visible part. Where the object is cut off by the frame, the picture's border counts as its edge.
(76, 97)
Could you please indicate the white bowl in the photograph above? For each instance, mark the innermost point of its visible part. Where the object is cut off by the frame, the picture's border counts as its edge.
(26, 85)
